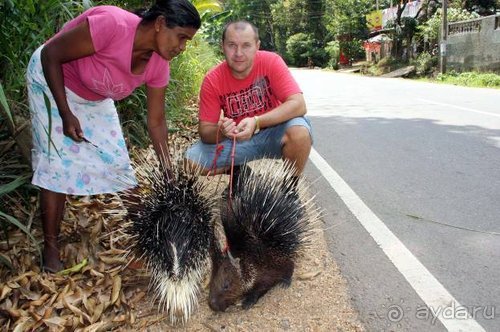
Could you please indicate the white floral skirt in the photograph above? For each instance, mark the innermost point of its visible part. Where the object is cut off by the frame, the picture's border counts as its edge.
(101, 165)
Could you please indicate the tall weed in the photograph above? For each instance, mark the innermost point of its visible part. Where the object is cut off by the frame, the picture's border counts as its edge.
(26, 24)
(475, 79)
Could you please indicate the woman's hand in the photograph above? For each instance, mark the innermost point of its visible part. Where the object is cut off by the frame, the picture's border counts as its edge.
(71, 127)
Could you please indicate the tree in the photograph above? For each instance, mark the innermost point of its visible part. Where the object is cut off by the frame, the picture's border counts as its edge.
(259, 13)
(482, 7)
(292, 17)
(348, 24)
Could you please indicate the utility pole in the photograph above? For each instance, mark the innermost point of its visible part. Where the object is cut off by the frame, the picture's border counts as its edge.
(444, 36)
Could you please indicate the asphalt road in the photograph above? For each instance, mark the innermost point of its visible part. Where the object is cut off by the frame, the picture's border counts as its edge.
(408, 176)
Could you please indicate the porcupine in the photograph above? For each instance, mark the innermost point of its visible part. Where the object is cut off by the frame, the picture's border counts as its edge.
(266, 224)
(170, 225)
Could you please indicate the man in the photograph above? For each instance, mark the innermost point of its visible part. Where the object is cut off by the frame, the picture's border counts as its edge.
(262, 107)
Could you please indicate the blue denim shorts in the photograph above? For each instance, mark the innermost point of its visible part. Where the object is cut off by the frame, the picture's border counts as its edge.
(266, 144)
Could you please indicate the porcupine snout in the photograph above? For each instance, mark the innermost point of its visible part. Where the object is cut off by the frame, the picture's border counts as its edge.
(225, 284)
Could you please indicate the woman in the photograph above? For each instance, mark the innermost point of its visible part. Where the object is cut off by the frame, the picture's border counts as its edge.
(100, 56)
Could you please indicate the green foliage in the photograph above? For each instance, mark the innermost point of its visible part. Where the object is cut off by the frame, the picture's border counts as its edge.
(302, 50)
(348, 20)
(352, 49)
(212, 27)
(14, 187)
(430, 30)
(259, 13)
(424, 63)
(299, 48)
(474, 79)
(333, 50)
(5, 109)
(348, 25)
(385, 65)
(26, 24)
(482, 7)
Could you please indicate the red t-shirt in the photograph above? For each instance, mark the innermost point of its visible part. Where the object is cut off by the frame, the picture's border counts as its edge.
(268, 85)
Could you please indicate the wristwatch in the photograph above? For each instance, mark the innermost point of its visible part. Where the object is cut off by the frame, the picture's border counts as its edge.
(257, 125)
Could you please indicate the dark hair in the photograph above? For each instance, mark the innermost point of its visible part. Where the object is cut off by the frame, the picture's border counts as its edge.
(180, 13)
(240, 25)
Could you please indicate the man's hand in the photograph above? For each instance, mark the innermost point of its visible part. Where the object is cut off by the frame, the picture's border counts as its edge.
(71, 127)
(245, 129)
(228, 127)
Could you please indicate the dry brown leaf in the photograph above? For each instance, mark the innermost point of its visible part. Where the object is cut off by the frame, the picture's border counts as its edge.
(64, 292)
(29, 295)
(114, 252)
(36, 317)
(47, 285)
(76, 311)
(96, 230)
(16, 313)
(48, 313)
(101, 326)
(13, 285)
(23, 324)
(24, 276)
(117, 285)
(5, 292)
(136, 298)
(54, 323)
(309, 275)
(120, 319)
(113, 260)
(88, 304)
(40, 301)
(53, 299)
(96, 273)
(96, 315)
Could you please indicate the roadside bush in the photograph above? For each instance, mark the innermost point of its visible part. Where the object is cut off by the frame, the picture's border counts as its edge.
(475, 79)
(430, 30)
(26, 24)
(424, 63)
(353, 49)
(333, 50)
(299, 49)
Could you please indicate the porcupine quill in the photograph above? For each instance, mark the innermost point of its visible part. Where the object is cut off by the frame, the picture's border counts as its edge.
(170, 228)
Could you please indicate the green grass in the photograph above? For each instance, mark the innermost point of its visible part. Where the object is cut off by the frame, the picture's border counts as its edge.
(472, 79)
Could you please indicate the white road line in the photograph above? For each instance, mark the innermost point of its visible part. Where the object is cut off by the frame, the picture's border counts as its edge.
(459, 107)
(432, 292)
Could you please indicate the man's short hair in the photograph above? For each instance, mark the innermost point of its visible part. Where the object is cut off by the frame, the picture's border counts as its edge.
(240, 25)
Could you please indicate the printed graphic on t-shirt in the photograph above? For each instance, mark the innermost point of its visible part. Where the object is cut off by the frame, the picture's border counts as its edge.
(107, 87)
(251, 101)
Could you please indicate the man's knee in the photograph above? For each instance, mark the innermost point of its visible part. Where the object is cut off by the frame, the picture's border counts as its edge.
(197, 168)
(297, 135)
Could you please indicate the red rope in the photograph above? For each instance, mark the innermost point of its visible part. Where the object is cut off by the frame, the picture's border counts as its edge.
(232, 169)
(218, 150)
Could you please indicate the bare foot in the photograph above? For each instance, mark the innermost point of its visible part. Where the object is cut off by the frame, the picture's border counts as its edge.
(51, 261)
